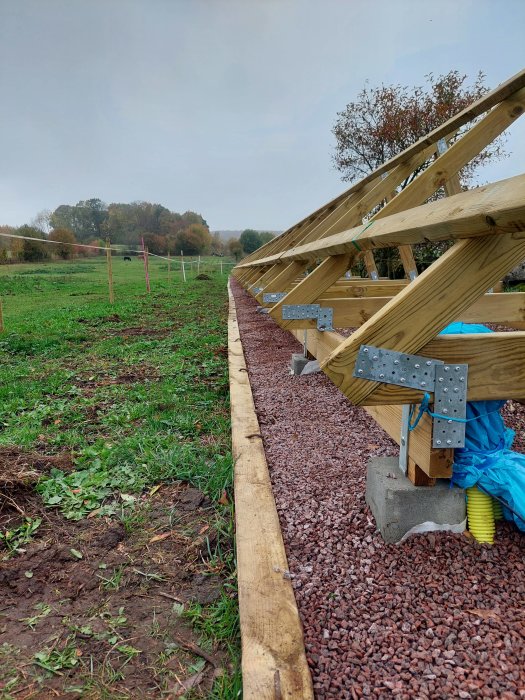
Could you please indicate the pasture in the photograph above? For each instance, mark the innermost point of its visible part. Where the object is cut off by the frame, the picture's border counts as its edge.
(116, 532)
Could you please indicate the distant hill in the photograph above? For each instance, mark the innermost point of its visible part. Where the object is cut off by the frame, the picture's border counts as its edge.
(226, 235)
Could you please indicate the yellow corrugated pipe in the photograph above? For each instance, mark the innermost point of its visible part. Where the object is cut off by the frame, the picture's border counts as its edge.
(480, 512)
(498, 509)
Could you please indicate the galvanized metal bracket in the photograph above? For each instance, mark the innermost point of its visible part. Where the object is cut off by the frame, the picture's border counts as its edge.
(257, 290)
(450, 399)
(323, 314)
(391, 367)
(447, 382)
(273, 297)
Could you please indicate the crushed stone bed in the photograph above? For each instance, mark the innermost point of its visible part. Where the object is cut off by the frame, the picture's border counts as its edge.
(438, 616)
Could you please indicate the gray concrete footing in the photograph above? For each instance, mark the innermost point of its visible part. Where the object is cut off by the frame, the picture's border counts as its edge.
(400, 508)
(298, 363)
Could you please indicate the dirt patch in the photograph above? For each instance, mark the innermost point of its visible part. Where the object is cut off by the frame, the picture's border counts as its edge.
(94, 606)
(20, 468)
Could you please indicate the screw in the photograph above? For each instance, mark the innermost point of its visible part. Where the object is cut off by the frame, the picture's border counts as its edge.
(445, 390)
(375, 357)
(417, 365)
(429, 362)
(449, 422)
(381, 376)
(456, 390)
(365, 349)
(445, 410)
(359, 371)
(423, 383)
(449, 442)
(462, 379)
(396, 362)
(440, 379)
(402, 380)
(446, 369)
(438, 442)
(457, 369)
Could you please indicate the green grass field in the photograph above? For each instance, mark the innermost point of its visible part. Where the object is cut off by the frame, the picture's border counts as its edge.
(137, 391)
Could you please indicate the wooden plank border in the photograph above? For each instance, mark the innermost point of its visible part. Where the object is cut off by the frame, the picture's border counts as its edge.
(274, 665)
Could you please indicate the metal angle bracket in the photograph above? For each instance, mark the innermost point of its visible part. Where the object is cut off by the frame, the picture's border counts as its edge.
(323, 314)
(392, 367)
(257, 290)
(273, 297)
(447, 382)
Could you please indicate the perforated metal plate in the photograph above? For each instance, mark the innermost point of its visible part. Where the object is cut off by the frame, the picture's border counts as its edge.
(273, 297)
(392, 367)
(256, 290)
(450, 399)
(325, 319)
(324, 315)
(294, 312)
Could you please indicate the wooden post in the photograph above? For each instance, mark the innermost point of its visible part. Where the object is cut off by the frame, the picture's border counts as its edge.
(199, 266)
(1, 317)
(146, 266)
(169, 267)
(110, 272)
(182, 265)
(221, 266)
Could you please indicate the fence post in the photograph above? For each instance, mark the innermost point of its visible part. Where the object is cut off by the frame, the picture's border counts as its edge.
(110, 272)
(146, 266)
(1, 317)
(199, 266)
(169, 267)
(182, 264)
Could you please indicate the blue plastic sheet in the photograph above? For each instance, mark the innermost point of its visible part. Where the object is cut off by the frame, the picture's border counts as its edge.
(487, 459)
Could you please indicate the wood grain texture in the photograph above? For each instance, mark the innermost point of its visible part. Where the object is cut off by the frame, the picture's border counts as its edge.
(284, 276)
(417, 314)
(271, 632)
(496, 209)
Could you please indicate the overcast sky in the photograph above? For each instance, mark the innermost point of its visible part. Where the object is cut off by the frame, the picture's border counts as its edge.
(224, 107)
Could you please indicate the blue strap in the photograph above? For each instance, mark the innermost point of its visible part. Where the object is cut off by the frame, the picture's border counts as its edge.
(424, 408)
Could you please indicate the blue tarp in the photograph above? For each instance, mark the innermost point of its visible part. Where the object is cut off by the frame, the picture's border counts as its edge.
(487, 460)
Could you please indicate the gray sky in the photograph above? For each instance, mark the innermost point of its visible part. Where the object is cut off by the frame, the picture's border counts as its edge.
(224, 107)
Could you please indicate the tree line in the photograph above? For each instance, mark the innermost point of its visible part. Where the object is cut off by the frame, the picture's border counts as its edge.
(90, 222)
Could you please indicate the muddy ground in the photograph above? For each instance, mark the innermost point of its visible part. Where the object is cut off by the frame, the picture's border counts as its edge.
(92, 608)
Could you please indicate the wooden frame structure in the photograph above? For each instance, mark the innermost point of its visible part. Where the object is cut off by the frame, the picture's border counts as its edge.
(309, 263)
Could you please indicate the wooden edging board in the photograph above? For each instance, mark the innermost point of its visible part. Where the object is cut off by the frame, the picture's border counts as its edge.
(274, 665)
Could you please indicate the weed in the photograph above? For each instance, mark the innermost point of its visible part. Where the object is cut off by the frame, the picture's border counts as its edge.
(55, 660)
(113, 582)
(43, 611)
(14, 538)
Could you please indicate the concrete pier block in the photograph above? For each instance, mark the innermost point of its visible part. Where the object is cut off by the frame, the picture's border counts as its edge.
(400, 507)
(298, 363)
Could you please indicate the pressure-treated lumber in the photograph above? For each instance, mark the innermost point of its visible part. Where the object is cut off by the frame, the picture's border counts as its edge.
(496, 209)
(507, 309)
(506, 89)
(417, 314)
(273, 657)
(284, 276)
(313, 285)
(435, 463)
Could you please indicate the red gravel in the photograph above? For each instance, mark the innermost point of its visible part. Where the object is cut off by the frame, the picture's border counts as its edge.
(438, 616)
